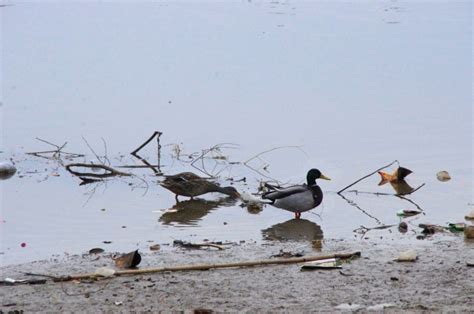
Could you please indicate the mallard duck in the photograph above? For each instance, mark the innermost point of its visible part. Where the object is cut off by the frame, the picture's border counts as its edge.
(298, 198)
(190, 184)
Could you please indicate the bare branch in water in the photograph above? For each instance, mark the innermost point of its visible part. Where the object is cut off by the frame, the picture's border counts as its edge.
(385, 194)
(156, 169)
(109, 171)
(364, 177)
(54, 154)
(352, 203)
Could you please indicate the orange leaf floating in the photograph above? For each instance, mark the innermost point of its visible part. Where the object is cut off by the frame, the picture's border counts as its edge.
(397, 180)
(398, 175)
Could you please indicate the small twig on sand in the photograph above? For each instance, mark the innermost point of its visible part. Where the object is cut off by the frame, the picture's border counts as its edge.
(364, 177)
(109, 171)
(223, 265)
(363, 230)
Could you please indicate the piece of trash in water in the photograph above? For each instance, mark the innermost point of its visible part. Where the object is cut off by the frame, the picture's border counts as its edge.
(155, 247)
(408, 212)
(118, 303)
(470, 215)
(470, 263)
(403, 227)
(431, 229)
(469, 232)
(457, 227)
(129, 260)
(254, 205)
(96, 250)
(443, 176)
(7, 170)
(407, 256)
(330, 263)
(104, 272)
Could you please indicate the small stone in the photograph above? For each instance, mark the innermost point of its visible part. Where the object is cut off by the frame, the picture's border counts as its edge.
(443, 176)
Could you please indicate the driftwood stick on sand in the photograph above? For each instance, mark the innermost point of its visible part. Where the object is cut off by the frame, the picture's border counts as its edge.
(210, 266)
(364, 177)
(109, 171)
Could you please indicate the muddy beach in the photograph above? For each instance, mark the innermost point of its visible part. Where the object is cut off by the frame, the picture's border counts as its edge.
(439, 281)
(103, 102)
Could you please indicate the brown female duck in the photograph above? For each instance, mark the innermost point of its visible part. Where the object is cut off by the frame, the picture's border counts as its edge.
(190, 184)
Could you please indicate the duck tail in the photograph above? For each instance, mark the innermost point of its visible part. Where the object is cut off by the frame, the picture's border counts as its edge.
(384, 177)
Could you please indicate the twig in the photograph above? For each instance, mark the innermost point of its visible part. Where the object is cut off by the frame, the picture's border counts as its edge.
(223, 265)
(385, 194)
(157, 169)
(156, 133)
(92, 150)
(363, 230)
(111, 171)
(339, 192)
(352, 203)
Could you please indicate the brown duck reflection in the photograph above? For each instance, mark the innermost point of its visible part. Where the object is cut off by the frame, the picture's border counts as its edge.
(294, 230)
(192, 211)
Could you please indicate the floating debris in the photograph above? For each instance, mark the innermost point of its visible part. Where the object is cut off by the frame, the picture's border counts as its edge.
(443, 176)
(469, 232)
(431, 229)
(7, 170)
(155, 247)
(129, 260)
(96, 250)
(457, 227)
(403, 227)
(408, 212)
(470, 215)
(407, 256)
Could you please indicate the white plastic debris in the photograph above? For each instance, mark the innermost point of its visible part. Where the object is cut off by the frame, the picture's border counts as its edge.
(249, 198)
(470, 215)
(7, 170)
(443, 176)
(104, 272)
(407, 256)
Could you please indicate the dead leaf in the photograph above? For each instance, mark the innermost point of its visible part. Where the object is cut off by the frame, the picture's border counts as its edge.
(129, 260)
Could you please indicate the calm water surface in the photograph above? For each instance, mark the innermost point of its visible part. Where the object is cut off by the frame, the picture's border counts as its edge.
(355, 85)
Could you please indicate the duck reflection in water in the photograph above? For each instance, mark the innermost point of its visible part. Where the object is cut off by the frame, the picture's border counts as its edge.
(294, 230)
(192, 211)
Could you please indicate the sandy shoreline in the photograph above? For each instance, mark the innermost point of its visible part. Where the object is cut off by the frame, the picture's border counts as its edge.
(439, 281)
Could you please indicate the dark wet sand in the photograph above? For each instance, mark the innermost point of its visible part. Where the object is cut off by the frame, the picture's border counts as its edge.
(439, 281)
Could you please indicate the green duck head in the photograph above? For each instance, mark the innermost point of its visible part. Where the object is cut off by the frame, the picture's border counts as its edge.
(314, 174)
